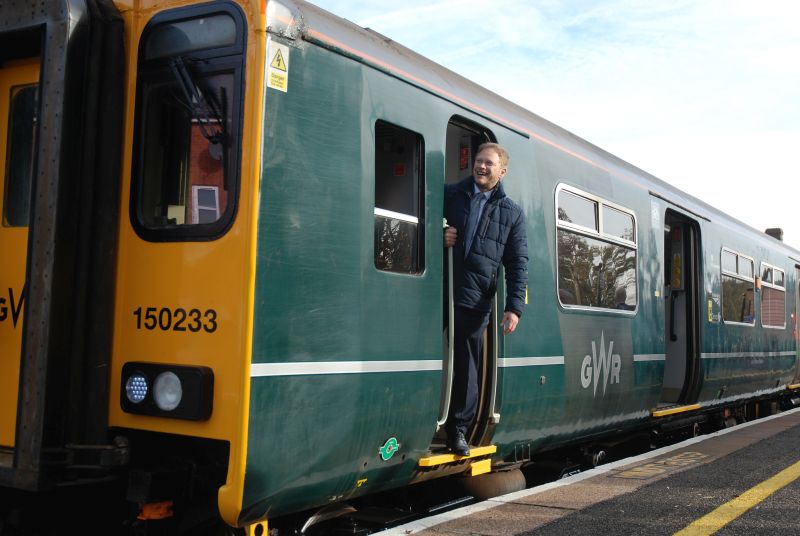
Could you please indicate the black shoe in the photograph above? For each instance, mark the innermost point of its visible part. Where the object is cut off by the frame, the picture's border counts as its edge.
(457, 443)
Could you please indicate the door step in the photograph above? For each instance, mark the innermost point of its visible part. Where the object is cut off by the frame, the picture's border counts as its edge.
(673, 410)
(434, 460)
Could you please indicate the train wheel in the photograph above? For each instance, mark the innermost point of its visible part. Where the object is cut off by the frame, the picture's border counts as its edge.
(493, 484)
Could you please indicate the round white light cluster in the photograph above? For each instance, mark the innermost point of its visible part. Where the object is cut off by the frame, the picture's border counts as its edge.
(136, 387)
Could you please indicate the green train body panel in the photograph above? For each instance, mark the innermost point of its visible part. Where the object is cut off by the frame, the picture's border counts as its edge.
(316, 438)
(319, 296)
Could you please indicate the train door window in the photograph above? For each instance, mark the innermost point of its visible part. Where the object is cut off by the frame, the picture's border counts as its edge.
(596, 243)
(463, 139)
(20, 155)
(399, 184)
(773, 297)
(188, 123)
(738, 288)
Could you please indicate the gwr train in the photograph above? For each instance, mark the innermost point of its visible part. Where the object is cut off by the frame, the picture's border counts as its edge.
(222, 262)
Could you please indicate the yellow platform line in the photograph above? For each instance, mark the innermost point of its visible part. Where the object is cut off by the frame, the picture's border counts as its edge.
(440, 459)
(714, 521)
(673, 411)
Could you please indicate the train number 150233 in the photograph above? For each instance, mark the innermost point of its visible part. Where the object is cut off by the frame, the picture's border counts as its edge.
(179, 319)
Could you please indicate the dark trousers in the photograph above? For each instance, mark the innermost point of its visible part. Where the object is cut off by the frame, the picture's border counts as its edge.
(467, 351)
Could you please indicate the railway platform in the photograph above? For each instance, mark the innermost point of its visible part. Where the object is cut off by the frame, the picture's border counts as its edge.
(741, 480)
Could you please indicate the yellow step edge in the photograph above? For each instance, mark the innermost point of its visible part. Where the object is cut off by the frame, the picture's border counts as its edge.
(480, 467)
(793, 386)
(440, 459)
(673, 411)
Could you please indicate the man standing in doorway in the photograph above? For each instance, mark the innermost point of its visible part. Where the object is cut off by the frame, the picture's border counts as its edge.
(486, 229)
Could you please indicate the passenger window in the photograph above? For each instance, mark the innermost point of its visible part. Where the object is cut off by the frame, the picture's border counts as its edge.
(21, 147)
(746, 267)
(738, 288)
(597, 268)
(766, 273)
(399, 183)
(189, 108)
(773, 298)
(617, 224)
(729, 262)
(577, 210)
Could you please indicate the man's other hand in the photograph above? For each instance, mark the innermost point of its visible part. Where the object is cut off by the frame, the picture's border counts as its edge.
(450, 237)
(510, 321)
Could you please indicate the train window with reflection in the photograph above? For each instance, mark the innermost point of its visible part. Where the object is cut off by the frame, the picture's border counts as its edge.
(773, 297)
(399, 183)
(188, 123)
(20, 151)
(738, 288)
(596, 244)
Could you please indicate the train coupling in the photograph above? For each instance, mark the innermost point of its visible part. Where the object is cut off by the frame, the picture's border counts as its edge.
(86, 462)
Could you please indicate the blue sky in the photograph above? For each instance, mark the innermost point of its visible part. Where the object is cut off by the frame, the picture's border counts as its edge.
(704, 94)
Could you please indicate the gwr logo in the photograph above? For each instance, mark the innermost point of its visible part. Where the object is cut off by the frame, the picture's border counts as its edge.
(607, 362)
(11, 306)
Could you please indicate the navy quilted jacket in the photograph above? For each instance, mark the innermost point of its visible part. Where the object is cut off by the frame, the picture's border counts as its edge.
(499, 238)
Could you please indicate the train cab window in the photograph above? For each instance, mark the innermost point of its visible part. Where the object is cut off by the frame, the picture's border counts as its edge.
(738, 288)
(773, 297)
(399, 183)
(188, 124)
(596, 244)
(20, 151)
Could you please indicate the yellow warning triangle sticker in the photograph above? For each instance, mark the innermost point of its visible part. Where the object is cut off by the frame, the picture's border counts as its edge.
(277, 62)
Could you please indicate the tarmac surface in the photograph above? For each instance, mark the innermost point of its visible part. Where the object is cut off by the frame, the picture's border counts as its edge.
(663, 492)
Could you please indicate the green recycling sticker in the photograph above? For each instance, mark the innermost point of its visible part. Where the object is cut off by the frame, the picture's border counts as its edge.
(389, 448)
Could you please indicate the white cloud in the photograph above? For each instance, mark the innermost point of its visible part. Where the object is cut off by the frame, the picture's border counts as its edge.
(703, 94)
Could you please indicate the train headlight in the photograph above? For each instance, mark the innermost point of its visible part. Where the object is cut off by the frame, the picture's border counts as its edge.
(136, 387)
(162, 390)
(167, 391)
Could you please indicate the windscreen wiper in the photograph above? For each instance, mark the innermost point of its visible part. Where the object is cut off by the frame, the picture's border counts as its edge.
(210, 114)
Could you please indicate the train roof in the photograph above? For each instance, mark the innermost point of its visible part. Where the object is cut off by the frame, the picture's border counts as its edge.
(300, 19)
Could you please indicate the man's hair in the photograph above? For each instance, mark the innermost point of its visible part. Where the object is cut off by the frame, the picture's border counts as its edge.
(501, 153)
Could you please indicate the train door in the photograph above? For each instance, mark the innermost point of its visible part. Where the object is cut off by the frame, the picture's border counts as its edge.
(463, 139)
(681, 247)
(795, 325)
(18, 110)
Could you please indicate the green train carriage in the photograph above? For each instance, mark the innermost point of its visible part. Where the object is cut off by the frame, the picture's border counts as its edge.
(313, 370)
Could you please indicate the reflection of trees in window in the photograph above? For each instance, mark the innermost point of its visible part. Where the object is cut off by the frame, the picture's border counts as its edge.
(596, 257)
(591, 272)
(395, 245)
(737, 300)
(738, 288)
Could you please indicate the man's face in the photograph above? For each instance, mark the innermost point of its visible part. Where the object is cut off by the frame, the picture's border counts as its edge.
(487, 170)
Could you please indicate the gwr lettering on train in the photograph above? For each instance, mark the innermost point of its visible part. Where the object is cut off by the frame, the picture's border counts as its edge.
(606, 362)
(11, 306)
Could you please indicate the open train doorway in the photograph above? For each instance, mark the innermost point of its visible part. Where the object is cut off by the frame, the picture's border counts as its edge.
(462, 142)
(681, 324)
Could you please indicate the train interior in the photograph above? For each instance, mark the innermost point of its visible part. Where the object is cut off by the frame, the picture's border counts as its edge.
(463, 139)
(681, 246)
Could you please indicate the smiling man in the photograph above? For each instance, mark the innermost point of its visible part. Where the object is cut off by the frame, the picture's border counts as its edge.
(487, 229)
